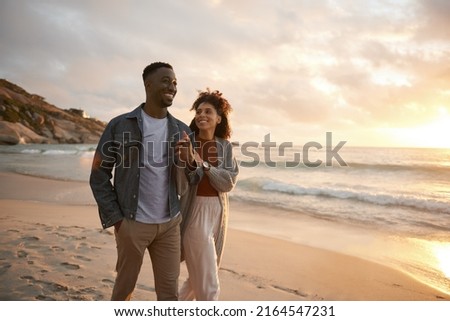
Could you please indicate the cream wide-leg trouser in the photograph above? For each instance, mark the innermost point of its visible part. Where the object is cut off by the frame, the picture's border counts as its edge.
(200, 251)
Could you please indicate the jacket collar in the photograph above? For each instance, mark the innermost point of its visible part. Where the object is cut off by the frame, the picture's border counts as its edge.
(172, 121)
(136, 113)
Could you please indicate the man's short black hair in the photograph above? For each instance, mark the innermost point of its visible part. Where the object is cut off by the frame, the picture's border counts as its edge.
(153, 67)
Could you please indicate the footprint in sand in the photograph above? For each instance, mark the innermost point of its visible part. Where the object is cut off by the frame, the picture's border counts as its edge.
(41, 297)
(55, 287)
(4, 267)
(30, 238)
(65, 236)
(108, 281)
(47, 228)
(30, 242)
(87, 294)
(289, 290)
(70, 266)
(22, 253)
(47, 285)
(83, 245)
(107, 232)
(83, 258)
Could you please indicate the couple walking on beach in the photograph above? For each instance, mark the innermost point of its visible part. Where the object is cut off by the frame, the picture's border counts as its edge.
(169, 192)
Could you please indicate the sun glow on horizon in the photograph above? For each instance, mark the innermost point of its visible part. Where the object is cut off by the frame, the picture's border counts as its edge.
(433, 135)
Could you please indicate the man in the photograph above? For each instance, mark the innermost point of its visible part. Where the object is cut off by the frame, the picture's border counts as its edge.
(142, 204)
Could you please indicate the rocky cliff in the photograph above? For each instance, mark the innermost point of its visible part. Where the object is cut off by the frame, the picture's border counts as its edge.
(28, 118)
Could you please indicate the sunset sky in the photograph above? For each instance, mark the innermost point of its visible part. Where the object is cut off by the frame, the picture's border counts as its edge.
(374, 73)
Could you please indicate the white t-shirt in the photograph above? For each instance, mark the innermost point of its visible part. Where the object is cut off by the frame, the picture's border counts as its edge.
(153, 202)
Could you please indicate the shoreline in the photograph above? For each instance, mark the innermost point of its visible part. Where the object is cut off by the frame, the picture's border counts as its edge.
(417, 258)
(53, 247)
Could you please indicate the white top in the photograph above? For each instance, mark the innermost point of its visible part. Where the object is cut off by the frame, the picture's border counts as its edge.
(153, 202)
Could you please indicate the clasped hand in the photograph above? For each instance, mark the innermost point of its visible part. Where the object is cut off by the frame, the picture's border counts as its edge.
(184, 150)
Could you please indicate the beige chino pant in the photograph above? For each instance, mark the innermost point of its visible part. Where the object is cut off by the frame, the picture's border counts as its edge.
(163, 244)
(200, 251)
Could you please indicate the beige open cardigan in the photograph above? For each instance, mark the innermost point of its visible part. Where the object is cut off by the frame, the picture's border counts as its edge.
(223, 178)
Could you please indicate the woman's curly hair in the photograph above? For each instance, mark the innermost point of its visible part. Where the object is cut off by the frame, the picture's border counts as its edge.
(223, 109)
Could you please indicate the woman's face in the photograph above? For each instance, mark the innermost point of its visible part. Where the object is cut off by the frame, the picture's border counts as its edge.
(206, 117)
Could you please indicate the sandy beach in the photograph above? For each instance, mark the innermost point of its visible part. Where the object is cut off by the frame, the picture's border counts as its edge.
(53, 248)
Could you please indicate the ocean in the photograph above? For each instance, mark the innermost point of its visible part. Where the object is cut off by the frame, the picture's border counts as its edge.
(402, 190)
(401, 193)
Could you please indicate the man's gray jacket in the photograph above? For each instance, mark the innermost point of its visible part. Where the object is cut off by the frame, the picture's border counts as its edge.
(120, 149)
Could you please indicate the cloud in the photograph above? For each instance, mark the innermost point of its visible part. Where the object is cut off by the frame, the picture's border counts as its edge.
(284, 65)
(435, 20)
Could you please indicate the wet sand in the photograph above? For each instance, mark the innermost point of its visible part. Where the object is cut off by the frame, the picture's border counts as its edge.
(53, 248)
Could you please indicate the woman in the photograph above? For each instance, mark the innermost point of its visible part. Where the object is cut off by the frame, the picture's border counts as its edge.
(205, 204)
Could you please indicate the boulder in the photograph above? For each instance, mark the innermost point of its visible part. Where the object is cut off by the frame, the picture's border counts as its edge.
(28, 118)
(16, 133)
